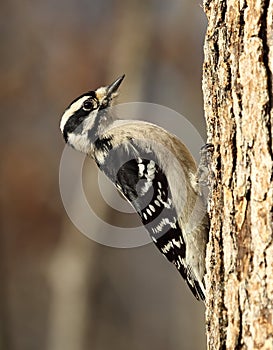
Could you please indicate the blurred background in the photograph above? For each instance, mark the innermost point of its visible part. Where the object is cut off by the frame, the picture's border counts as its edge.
(59, 289)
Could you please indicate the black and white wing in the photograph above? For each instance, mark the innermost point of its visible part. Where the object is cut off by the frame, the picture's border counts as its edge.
(139, 178)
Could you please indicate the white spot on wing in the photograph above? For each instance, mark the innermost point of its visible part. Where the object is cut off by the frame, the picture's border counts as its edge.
(167, 247)
(150, 170)
(146, 187)
(151, 165)
(152, 208)
(164, 222)
(141, 169)
(176, 243)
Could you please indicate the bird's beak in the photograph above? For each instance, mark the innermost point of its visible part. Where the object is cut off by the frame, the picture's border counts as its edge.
(111, 89)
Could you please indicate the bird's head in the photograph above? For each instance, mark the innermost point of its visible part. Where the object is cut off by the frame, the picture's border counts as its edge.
(85, 117)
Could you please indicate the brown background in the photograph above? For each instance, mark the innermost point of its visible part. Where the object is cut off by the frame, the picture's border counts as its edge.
(60, 290)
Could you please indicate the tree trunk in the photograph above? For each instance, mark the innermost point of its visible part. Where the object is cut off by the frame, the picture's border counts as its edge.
(237, 86)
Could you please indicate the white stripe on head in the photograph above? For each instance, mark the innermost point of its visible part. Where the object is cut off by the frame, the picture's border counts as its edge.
(71, 110)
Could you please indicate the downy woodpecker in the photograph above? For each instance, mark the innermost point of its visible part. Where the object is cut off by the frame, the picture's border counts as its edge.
(153, 170)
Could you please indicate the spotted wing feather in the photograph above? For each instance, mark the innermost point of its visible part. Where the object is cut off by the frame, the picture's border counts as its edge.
(140, 179)
(158, 216)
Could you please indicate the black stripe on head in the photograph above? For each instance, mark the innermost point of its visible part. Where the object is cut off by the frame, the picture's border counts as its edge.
(74, 123)
(91, 94)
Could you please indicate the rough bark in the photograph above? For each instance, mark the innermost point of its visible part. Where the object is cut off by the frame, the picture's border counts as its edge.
(237, 86)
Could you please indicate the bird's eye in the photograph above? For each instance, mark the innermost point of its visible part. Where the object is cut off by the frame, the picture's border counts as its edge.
(87, 105)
